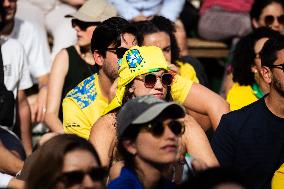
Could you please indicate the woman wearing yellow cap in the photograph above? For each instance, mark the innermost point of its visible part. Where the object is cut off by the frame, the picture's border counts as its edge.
(144, 71)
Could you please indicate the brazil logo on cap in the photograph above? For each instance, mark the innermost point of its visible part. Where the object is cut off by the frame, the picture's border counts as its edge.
(134, 59)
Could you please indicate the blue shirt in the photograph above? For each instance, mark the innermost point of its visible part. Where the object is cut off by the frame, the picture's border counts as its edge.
(129, 9)
(129, 180)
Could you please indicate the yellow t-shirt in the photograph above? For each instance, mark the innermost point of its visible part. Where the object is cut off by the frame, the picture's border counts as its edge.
(240, 96)
(180, 88)
(82, 106)
(187, 71)
(278, 178)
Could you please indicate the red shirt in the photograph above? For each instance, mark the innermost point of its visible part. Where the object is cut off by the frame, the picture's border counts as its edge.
(228, 5)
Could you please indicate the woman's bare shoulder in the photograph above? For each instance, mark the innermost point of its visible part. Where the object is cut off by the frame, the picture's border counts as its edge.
(104, 126)
(105, 121)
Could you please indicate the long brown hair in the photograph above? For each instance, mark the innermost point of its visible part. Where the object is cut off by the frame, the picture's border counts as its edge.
(48, 164)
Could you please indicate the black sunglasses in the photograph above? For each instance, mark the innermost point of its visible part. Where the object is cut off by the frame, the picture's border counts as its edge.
(269, 19)
(83, 25)
(120, 51)
(157, 127)
(76, 177)
(150, 79)
(279, 66)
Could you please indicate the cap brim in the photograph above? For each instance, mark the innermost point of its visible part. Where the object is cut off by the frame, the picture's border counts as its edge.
(153, 112)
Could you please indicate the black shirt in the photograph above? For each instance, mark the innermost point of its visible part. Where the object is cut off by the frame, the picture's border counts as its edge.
(251, 140)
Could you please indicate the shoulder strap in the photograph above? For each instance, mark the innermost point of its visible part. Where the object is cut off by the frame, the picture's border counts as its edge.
(1, 67)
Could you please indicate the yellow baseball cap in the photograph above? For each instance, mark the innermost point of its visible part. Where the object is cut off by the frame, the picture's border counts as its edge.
(135, 62)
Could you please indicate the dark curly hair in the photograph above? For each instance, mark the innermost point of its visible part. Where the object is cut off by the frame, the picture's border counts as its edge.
(268, 54)
(243, 55)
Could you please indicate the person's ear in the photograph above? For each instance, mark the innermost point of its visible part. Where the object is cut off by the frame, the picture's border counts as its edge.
(266, 74)
(253, 69)
(99, 59)
(255, 23)
(131, 89)
(130, 147)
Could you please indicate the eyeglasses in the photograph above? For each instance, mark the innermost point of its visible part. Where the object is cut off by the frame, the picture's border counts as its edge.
(150, 79)
(269, 19)
(157, 128)
(76, 177)
(120, 51)
(82, 25)
(279, 66)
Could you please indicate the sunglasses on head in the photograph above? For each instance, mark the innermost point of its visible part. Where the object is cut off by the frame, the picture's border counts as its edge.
(76, 177)
(120, 51)
(269, 19)
(82, 25)
(150, 79)
(279, 66)
(157, 128)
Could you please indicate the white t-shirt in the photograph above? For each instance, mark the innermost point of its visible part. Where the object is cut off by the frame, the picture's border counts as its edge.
(4, 180)
(37, 51)
(16, 72)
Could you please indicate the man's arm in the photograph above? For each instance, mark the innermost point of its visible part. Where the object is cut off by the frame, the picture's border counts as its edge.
(24, 115)
(16, 184)
(9, 163)
(41, 98)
